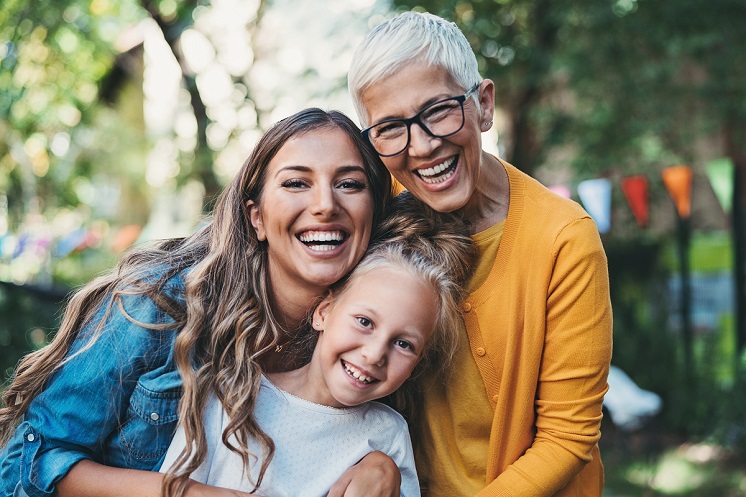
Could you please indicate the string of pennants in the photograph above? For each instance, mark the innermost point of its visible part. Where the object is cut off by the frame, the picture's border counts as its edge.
(595, 194)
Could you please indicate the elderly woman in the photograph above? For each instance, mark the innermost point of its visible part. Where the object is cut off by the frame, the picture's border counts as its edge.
(520, 412)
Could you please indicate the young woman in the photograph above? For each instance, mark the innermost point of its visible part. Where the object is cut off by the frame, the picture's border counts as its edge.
(398, 306)
(146, 345)
(521, 411)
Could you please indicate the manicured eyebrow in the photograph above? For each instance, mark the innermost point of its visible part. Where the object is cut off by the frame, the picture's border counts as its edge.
(305, 169)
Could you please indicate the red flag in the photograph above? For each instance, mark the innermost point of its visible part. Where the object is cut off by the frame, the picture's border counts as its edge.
(635, 189)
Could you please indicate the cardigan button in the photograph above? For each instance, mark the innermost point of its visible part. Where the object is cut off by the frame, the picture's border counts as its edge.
(466, 307)
(481, 351)
(494, 398)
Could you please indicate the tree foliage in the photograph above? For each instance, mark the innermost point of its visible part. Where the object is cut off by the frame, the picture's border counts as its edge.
(623, 83)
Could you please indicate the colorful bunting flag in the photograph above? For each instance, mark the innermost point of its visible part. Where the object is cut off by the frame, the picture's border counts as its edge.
(678, 181)
(596, 197)
(635, 189)
(720, 174)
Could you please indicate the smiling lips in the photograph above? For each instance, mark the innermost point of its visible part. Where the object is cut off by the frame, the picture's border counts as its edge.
(322, 241)
(439, 173)
(357, 374)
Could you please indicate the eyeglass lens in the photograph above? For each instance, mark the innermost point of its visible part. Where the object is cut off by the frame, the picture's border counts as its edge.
(440, 119)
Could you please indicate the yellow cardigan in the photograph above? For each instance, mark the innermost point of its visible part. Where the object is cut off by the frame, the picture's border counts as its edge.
(540, 331)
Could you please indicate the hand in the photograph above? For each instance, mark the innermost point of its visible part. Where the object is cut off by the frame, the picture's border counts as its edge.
(375, 475)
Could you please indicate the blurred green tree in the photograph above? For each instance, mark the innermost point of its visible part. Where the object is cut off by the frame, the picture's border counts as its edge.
(617, 86)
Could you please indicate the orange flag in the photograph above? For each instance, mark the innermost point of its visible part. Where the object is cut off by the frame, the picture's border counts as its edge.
(678, 181)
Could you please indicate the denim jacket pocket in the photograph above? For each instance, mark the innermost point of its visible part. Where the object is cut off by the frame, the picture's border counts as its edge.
(151, 423)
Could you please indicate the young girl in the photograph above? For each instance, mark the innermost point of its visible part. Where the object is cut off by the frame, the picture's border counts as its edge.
(398, 306)
(143, 347)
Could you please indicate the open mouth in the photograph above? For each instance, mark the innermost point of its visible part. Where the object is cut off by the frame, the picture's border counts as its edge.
(357, 374)
(439, 173)
(322, 241)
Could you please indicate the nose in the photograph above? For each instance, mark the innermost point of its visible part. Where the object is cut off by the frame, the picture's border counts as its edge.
(375, 352)
(325, 202)
(421, 143)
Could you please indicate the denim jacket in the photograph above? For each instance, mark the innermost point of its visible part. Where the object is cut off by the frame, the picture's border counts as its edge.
(115, 402)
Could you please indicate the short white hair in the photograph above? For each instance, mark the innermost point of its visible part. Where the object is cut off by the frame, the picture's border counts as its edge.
(402, 39)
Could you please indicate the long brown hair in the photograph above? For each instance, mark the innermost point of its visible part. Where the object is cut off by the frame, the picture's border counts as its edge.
(224, 325)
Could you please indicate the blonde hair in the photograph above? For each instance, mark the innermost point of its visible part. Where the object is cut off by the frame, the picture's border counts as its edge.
(225, 323)
(407, 38)
(436, 248)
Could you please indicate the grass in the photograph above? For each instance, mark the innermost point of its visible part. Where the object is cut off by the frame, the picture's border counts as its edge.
(652, 462)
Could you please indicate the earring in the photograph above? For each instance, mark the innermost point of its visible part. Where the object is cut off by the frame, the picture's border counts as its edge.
(317, 324)
(487, 125)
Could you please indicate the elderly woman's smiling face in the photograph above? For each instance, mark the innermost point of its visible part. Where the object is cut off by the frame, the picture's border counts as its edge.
(443, 172)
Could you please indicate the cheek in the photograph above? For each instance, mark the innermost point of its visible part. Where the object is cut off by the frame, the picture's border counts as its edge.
(404, 367)
(394, 164)
(361, 211)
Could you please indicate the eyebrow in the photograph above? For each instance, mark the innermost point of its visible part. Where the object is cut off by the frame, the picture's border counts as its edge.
(427, 102)
(306, 169)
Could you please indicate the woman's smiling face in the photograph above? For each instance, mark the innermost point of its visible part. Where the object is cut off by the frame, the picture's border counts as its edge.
(315, 210)
(443, 172)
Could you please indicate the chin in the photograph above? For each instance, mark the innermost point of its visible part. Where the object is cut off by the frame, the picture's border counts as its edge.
(446, 204)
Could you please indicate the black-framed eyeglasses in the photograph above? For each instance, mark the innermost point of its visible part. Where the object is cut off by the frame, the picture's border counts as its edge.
(439, 120)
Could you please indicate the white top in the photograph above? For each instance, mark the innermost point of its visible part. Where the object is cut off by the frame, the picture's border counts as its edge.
(314, 445)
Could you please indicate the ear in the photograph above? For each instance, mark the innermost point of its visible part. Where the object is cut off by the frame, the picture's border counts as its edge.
(255, 216)
(321, 313)
(486, 101)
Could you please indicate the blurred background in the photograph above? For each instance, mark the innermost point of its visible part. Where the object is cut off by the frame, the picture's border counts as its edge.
(120, 121)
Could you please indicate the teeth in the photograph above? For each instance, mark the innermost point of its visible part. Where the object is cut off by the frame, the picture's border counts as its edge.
(439, 179)
(355, 373)
(322, 248)
(432, 171)
(321, 236)
(322, 241)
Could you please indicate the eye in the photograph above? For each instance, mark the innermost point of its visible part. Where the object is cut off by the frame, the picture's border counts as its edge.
(352, 184)
(439, 110)
(403, 344)
(388, 129)
(364, 322)
(294, 183)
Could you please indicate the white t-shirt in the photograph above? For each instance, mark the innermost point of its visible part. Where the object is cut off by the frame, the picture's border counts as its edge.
(314, 445)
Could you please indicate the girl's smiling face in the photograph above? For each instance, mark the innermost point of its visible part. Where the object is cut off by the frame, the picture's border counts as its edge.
(371, 337)
(315, 211)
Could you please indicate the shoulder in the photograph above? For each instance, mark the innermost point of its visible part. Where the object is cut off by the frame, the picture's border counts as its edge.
(538, 213)
(375, 411)
(541, 200)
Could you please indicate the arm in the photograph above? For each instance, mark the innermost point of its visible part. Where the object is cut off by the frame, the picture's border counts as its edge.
(573, 369)
(90, 479)
(376, 475)
(82, 410)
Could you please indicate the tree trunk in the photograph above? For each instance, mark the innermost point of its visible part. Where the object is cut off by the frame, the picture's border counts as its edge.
(525, 152)
(737, 153)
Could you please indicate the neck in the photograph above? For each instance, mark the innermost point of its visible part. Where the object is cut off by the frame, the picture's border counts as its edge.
(306, 383)
(491, 198)
(291, 307)
(291, 300)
